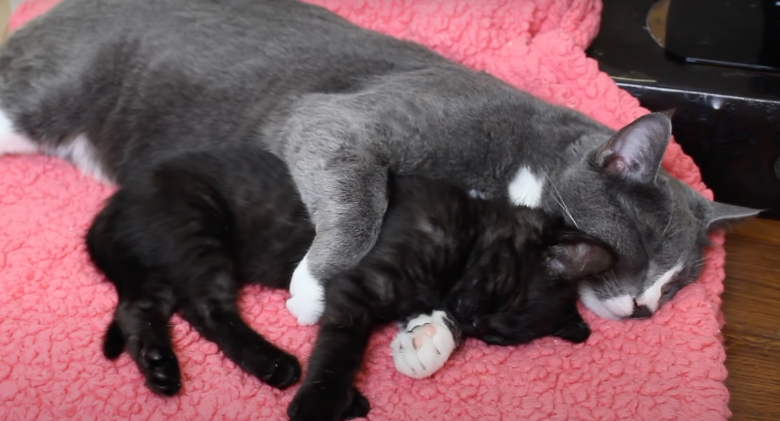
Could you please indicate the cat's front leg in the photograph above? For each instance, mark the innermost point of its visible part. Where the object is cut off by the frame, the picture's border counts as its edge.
(345, 192)
(424, 344)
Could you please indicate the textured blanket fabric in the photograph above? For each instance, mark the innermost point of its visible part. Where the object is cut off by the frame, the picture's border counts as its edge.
(54, 307)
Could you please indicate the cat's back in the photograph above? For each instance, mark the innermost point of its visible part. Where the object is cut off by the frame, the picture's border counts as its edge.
(231, 33)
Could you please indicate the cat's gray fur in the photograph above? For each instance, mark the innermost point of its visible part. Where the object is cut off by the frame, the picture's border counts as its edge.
(344, 106)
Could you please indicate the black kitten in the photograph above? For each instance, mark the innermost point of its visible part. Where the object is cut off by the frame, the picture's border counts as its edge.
(188, 232)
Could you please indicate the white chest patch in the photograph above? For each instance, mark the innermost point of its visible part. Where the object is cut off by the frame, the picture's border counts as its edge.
(526, 188)
(652, 296)
(12, 143)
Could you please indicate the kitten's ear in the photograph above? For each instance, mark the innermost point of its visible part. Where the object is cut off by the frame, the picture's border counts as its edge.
(635, 151)
(577, 255)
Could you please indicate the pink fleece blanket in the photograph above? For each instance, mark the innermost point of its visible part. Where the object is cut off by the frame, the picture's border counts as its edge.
(54, 307)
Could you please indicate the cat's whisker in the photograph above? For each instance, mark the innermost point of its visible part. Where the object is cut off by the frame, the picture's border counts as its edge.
(701, 262)
(610, 285)
(561, 203)
(615, 284)
(668, 224)
(671, 234)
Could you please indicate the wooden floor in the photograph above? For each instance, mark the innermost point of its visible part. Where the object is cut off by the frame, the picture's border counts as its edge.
(751, 304)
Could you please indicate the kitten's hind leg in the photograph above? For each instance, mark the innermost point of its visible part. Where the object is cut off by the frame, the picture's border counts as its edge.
(144, 327)
(212, 310)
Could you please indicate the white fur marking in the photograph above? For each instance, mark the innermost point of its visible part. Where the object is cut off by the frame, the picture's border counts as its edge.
(82, 154)
(652, 296)
(476, 194)
(435, 350)
(307, 297)
(613, 308)
(526, 188)
(622, 306)
(11, 142)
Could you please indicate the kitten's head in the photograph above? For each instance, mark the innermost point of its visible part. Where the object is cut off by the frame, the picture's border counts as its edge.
(656, 224)
(520, 283)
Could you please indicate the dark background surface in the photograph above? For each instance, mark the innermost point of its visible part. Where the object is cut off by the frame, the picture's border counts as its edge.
(726, 118)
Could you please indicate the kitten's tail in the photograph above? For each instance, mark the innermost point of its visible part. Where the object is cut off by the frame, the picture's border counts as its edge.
(113, 341)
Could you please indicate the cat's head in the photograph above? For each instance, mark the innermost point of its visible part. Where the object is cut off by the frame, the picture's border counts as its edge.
(656, 224)
(520, 285)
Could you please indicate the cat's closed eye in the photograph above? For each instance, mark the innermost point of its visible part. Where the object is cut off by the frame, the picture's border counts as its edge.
(668, 289)
(680, 280)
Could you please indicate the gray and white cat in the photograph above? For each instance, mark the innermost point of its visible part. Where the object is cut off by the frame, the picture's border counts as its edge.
(115, 84)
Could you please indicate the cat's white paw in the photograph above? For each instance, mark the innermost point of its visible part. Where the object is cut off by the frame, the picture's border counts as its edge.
(307, 297)
(423, 346)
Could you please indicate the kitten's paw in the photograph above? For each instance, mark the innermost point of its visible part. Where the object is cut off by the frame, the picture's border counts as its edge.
(424, 346)
(576, 332)
(322, 403)
(113, 341)
(307, 296)
(280, 371)
(161, 370)
(358, 409)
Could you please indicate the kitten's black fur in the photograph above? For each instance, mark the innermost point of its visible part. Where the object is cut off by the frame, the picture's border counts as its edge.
(187, 233)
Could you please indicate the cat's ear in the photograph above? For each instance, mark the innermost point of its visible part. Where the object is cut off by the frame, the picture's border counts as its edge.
(714, 215)
(722, 214)
(577, 255)
(635, 151)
